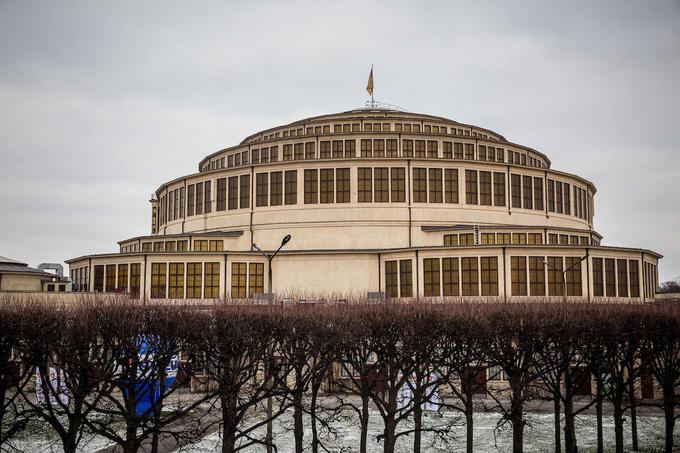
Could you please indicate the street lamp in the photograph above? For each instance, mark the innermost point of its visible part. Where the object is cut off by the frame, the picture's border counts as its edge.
(270, 257)
(563, 273)
(270, 405)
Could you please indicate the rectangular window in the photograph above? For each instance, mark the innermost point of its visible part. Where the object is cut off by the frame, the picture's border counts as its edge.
(287, 152)
(255, 279)
(489, 275)
(432, 150)
(191, 201)
(135, 280)
(199, 198)
(325, 150)
(158, 280)
(211, 281)
(276, 184)
(398, 181)
(420, 185)
(122, 278)
(291, 187)
(610, 277)
(408, 148)
(567, 199)
(420, 148)
(451, 185)
(350, 148)
(194, 280)
(457, 150)
(519, 238)
(342, 185)
(181, 246)
(435, 185)
(503, 238)
(405, 278)
(310, 152)
(239, 277)
(485, 188)
(261, 190)
(378, 148)
(274, 154)
(515, 182)
(536, 276)
(598, 277)
(176, 283)
(499, 189)
(392, 148)
(391, 279)
(527, 191)
(448, 150)
(311, 186)
(207, 197)
(255, 156)
(298, 151)
(482, 152)
(470, 274)
(622, 274)
(551, 195)
(365, 180)
(450, 239)
(222, 194)
(466, 239)
(366, 148)
(431, 277)
(110, 278)
(573, 276)
(488, 239)
(471, 186)
(558, 197)
(538, 194)
(233, 192)
(216, 246)
(555, 276)
(98, 279)
(327, 191)
(634, 278)
(381, 185)
(450, 277)
(337, 149)
(245, 191)
(535, 238)
(469, 151)
(200, 246)
(518, 266)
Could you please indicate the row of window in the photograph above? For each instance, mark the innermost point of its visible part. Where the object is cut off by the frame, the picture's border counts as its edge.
(374, 148)
(375, 127)
(616, 277)
(528, 276)
(180, 280)
(478, 238)
(110, 278)
(376, 184)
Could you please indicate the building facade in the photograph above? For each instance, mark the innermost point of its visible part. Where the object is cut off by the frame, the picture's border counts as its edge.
(375, 200)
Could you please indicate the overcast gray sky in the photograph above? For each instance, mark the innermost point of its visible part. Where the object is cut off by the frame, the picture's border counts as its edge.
(100, 102)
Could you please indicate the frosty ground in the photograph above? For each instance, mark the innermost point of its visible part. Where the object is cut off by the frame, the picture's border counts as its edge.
(488, 437)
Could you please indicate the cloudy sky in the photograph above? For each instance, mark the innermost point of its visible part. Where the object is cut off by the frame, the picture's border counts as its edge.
(100, 102)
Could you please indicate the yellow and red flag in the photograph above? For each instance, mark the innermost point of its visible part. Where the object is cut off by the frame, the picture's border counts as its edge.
(369, 87)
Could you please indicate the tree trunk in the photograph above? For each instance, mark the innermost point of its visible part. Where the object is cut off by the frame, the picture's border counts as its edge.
(312, 413)
(389, 435)
(364, 424)
(469, 423)
(558, 427)
(633, 414)
(229, 422)
(298, 428)
(570, 445)
(517, 418)
(598, 412)
(617, 403)
(669, 414)
(417, 422)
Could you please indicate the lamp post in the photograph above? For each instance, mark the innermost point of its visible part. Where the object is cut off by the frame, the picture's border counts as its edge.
(563, 273)
(270, 406)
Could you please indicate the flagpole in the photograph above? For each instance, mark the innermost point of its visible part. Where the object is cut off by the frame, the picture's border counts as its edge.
(372, 102)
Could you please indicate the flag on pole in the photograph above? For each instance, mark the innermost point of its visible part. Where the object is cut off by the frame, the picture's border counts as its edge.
(369, 87)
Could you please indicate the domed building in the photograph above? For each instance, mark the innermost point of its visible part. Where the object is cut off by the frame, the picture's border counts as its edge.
(376, 201)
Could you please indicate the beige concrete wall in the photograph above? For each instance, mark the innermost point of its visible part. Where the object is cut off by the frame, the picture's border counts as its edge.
(20, 282)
